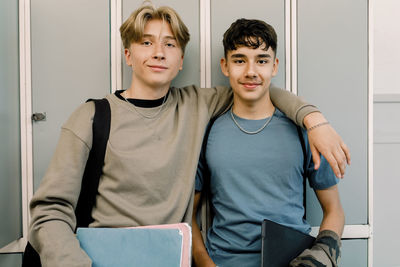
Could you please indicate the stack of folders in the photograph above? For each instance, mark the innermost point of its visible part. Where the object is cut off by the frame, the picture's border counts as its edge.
(156, 245)
(281, 244)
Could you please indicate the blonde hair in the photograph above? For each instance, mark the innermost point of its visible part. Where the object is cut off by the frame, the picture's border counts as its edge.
(133, 28)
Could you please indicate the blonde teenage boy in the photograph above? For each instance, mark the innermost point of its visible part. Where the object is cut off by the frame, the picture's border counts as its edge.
(153, 147)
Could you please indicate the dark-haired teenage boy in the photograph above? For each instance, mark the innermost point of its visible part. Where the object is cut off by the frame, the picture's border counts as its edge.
(254, 163)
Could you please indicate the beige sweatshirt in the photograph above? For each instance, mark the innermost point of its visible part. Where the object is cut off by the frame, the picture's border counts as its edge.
(149, 169)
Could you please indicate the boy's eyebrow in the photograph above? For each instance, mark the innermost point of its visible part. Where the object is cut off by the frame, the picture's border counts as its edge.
(264, 55)
(169, 37)
(147, 35)
(233, 56)
(238, 55)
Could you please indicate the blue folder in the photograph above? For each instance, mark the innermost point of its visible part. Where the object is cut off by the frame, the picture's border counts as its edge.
(122, 247)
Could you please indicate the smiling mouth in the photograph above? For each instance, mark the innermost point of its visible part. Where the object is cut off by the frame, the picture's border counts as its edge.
(157, 67)
(250, 85)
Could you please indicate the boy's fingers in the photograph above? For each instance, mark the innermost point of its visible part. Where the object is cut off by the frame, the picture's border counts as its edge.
(334, 164)
(346, 151)
(316, 157)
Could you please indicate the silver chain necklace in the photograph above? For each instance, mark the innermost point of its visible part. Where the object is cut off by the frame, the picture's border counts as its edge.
(144, 115)
(248, 132)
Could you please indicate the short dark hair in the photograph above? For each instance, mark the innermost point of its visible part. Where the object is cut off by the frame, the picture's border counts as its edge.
(250, 33)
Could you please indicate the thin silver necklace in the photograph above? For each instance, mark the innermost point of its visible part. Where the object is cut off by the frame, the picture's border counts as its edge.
(144, 115)
(249, 132)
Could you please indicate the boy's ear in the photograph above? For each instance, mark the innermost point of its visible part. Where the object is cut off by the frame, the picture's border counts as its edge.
(127, 57)
(224, 67)
(275, 68)
(181, 66)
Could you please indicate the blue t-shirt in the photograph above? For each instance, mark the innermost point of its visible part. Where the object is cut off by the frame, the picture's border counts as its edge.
(252, 178)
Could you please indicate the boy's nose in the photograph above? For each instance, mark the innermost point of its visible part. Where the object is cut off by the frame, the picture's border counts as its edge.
(158, 52)
(250, 72)
(159, 56)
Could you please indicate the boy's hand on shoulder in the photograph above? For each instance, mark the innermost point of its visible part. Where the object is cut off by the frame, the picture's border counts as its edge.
(324, 139)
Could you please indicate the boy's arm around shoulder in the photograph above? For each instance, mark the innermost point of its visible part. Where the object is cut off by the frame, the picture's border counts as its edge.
(294, 107)
(323, 138)
(52, 207)
(216, 100)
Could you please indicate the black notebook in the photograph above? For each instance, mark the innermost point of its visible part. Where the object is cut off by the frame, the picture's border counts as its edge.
(281, 244)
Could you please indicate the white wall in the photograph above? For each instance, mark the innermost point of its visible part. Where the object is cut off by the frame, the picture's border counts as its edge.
(386, 46)
(386, 184)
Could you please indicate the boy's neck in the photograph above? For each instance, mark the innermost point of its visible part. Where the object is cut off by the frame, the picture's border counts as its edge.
(137, 91)
(253, 110)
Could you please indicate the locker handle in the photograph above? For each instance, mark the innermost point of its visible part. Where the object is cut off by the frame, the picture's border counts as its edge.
(39, 116)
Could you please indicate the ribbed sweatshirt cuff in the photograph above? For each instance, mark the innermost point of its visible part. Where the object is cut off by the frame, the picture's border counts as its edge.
(304, 111)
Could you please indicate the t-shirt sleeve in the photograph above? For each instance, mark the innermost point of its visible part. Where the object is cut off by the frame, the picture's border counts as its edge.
(201, 169)
(322, 178)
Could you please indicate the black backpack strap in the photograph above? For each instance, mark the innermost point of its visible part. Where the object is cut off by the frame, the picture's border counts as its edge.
(91, 176)
(303, 146)
(206, 182)
(95, 162)
(30, 258)
(206, 192)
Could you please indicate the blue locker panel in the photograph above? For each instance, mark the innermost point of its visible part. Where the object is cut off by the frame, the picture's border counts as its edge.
(333, 74)
(10, 155)
(70, 63)
(10, 260)
(354, 253)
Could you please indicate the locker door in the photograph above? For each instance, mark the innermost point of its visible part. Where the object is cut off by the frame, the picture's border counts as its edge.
(332, 69)
(70, 63)
(10, 146)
